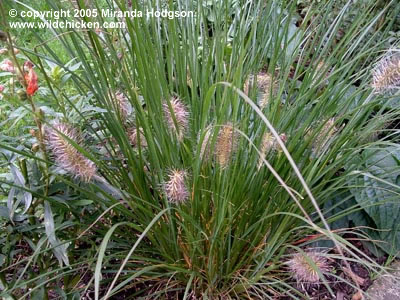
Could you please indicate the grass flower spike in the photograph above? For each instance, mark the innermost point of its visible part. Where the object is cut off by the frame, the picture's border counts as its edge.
(304, 266)
(386, 74)
(226, 144)
(123, 105)
(205, 147)
(133, 137)
(264, 86)
(66, 155)
(181, 115)
(269, 143)
(175, 187)
(324, 137)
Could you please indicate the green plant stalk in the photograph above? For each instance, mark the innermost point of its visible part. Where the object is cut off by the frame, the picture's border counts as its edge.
(37, 119)
(36, 113)
(3, 280)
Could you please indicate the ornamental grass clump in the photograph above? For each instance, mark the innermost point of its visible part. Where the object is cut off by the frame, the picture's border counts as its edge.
(212, 226)
(66, 155)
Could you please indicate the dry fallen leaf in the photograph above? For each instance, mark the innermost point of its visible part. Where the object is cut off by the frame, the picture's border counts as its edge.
(357, 296)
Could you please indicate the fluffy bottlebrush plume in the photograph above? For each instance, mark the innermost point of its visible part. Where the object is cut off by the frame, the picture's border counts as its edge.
(7, 66)
(264, 86)
(66, 155)
(268, 144)
(205, 146)
(123, 105)
(226, 144)
(181, 114)
(386, 74)
(304, 271)
(175, 187)
(133, 137)
(324, 137)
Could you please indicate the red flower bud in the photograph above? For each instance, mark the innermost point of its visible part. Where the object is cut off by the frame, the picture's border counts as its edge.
(32, 82)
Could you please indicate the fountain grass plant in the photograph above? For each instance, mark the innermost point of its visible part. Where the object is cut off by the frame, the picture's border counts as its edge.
(196, 189)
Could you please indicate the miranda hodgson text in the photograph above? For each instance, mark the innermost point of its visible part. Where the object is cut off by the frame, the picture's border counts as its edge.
(170, 14)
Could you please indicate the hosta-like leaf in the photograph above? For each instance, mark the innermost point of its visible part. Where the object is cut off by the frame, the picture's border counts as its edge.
(21, 195)
(60, 251)
(380, 198)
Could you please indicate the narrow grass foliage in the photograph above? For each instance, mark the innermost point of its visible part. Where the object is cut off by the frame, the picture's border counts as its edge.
(204, 150)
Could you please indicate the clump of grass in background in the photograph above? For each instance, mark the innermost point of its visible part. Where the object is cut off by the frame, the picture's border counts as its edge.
(217, 224)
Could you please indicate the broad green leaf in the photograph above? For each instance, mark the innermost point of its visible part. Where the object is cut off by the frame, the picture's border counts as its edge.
(380, 199)
(60, 251)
